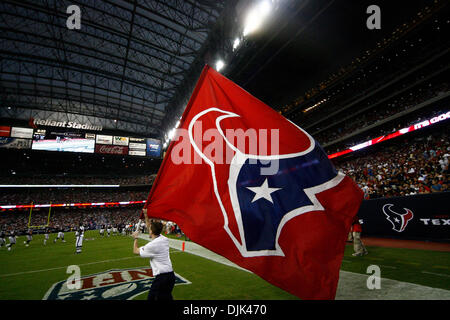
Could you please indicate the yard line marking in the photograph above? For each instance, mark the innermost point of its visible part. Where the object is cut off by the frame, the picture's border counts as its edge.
(408, 262)
(441, 267)
(437, 274)
(84, 264)
(56, 268)
(389, 267)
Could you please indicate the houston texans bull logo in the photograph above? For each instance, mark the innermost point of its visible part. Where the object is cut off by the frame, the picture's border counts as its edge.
(398, 220)
(261, 204)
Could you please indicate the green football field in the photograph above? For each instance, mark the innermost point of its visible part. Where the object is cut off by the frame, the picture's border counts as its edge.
(30, 272)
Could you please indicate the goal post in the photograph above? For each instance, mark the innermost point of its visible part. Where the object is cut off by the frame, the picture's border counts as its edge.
(39, 226)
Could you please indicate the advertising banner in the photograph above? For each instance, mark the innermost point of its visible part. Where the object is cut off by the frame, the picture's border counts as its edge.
(153, 148)
(137, 146)
(140, 140)
(15, 143)
(110, 149)
(120, 141)
(102, 139)
(4, 131)
(137, 153)
(17, 132)
(421, 217)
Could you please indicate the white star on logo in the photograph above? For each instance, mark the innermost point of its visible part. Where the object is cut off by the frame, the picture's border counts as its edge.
(89, 297)
(396, 220)
(263, 191)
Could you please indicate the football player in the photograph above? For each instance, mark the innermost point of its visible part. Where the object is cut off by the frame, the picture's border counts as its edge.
(102, 230)
(114, 230)
(60, 235)
(12, 240)
(2, 238)
(79, 234)
(29, 237)
(46, 235)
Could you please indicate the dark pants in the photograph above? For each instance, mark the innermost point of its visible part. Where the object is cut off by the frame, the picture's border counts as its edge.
(162, 286)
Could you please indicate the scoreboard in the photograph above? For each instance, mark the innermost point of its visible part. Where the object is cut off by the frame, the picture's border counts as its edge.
(75, 141)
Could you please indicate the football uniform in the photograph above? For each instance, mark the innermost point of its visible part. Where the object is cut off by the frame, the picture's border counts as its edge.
(12, 240)
(60, 235)
(29, 237)
(102, 230)
(79, 239)
(2, 239)
(46, 235)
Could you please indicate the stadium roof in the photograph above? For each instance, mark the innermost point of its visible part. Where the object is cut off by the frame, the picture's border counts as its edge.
(133, 64)
(124, 64)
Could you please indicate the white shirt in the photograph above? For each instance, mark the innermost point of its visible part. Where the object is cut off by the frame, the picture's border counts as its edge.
(158, 252)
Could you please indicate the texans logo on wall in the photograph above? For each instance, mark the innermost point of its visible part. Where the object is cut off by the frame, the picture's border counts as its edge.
(117, 284)
(423, 216)
(399, 221)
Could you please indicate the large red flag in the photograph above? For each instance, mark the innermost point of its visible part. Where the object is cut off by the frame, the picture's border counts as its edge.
(244, 182)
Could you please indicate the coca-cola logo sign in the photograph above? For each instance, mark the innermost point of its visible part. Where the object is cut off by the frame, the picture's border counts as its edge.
(109, 149)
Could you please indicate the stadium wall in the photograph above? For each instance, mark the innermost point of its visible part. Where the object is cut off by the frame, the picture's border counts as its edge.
(415, 217)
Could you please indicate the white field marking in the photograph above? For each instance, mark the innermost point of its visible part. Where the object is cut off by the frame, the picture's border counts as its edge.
(437, 274)
(389, 267)
(64, 267)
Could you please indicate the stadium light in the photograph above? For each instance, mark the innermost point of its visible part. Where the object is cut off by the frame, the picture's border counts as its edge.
(171, 134)
(236, 43)
(256, 16)
(219, 65)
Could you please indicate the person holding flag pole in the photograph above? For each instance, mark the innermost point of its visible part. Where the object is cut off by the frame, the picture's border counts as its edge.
(158, 252)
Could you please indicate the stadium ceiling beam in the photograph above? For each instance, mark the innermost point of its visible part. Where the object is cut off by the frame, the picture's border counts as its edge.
(27, 113)
(91, 70)
(107, 102)
(98, 51)
(22, 94)
(54, 88)
(53, 101)
(149, 30)
(217, 41)
(127, 49)
(98, 26)
(211, 4)
(172, 9)
(134, 107)
(162, 19)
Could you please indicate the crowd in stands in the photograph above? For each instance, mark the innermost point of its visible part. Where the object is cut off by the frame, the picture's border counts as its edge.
(381, 130)
(380, 113)
(402, 169)
(69, 195)
(23, 162)
(410, 44)
(68, 219)
(80, 180)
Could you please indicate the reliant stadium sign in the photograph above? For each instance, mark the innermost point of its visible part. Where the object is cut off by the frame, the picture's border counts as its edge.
(66, 124)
